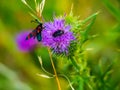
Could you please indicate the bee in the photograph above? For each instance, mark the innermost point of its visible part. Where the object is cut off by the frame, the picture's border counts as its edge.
(36, 33)
(58, 33)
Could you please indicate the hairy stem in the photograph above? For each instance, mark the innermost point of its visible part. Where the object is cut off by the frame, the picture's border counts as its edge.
(56, 76)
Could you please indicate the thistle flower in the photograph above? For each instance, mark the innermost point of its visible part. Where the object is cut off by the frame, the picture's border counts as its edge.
(57, 35)
(23, 44)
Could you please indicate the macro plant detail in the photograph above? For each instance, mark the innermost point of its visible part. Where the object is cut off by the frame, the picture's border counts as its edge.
(66, 38)
(57, 36)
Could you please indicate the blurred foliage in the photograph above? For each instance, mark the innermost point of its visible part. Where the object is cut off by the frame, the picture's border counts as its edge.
(9, 80)
(102, 52)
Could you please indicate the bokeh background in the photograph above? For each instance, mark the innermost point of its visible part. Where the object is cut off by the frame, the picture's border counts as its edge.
(18, 70)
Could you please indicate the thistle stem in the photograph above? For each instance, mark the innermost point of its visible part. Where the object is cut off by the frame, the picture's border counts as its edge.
(56, 76)
(75, 64)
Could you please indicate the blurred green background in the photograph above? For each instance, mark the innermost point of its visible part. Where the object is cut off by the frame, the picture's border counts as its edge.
(18, 70)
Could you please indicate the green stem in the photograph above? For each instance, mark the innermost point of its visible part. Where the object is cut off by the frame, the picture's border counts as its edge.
(74, 63)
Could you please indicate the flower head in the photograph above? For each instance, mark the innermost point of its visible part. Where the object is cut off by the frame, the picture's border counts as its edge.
(23, 44)
(57, 35)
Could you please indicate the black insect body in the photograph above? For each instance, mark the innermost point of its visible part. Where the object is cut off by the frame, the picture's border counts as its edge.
(36, 32)
(58, 33)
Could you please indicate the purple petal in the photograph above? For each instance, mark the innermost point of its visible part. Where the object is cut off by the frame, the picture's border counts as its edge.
(67, 28)
(25, 45)
(60, 43)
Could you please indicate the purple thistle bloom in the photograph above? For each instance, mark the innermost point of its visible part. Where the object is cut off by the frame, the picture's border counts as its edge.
(23, 44)
(57, 36)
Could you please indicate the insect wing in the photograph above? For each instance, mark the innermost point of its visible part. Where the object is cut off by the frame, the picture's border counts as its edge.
(32, 34)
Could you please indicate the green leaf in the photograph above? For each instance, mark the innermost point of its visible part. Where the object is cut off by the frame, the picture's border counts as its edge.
(81, 83)
(113, 10)
(108, 71)
(90, 25)
(90, 17)
(75, 63)
(84, 34)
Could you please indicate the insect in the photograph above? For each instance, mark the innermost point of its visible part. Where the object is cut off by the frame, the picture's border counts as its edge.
(36, 32)
(58, 33)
